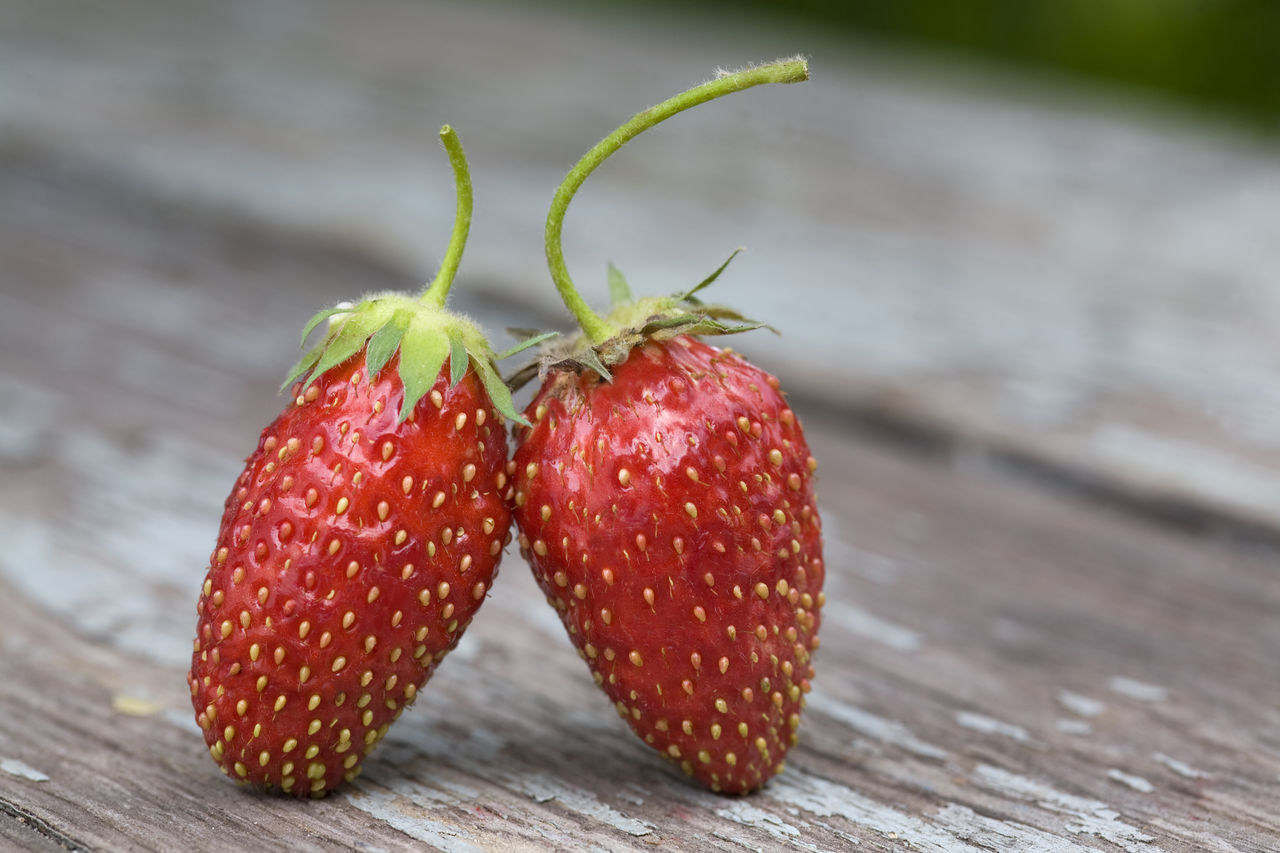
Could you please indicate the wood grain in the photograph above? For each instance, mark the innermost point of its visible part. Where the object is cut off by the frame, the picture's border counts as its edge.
(1004, 667)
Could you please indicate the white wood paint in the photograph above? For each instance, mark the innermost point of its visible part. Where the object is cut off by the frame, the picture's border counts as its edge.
(1078, 815)
(15, 767)
(1135, 689)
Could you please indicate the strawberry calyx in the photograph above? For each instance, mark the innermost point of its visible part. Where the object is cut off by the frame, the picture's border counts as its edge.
(418, 328)
(607, 340)
(386, 323)
(639, 320)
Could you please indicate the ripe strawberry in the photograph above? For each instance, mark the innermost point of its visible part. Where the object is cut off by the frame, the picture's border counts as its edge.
(669, 516)
(359, 541)
(665, 500)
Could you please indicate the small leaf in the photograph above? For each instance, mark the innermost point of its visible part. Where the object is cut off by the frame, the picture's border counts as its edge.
(457, 359)
(525, 344)
(422, 353)
(385, 342)
(498, 392)
(709, 279)
(619, 290)
(303, 365)
(319, 317)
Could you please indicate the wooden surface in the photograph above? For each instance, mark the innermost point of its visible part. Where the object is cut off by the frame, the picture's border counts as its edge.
(1042, 391)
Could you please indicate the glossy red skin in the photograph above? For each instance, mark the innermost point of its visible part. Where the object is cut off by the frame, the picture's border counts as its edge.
(340, 440)
(603, 548)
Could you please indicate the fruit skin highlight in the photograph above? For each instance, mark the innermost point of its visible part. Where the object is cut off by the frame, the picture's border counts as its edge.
(358, 542)
(664, 494)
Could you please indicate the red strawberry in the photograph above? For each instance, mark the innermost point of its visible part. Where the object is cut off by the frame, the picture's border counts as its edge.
(665, 501)
(359, 541)
(669, 516)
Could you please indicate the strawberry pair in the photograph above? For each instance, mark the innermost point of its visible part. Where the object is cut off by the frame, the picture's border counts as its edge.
(662, 488)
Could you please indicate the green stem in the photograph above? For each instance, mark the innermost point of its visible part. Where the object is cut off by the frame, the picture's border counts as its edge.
(438, 290)
(595, 327)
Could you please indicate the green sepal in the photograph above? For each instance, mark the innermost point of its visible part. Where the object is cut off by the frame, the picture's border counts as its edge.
(385, 342)
(318, 318)
(351, 335)
(498, 391)
(619, 290)
(706, 282)
(457, 359)
(303, 365)
(532, 340)
(422, 354)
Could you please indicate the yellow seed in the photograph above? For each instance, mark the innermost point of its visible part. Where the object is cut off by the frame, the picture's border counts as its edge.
(762, 589)
(635, 658)
(343, 503)
(691, 509)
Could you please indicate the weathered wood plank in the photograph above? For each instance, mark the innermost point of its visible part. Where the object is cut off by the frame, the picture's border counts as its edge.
(1026, 270)
(1002, 667)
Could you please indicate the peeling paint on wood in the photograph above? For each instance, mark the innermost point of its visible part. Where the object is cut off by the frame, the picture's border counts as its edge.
(14, 767)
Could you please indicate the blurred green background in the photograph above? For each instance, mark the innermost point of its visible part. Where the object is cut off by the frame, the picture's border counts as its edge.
(1218, 56)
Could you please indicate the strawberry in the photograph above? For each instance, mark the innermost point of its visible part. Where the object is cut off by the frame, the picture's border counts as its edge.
(664, 495)
(359, 541)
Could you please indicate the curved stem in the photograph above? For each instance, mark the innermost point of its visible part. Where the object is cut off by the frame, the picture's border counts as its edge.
(783, 71)
(438, 290)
